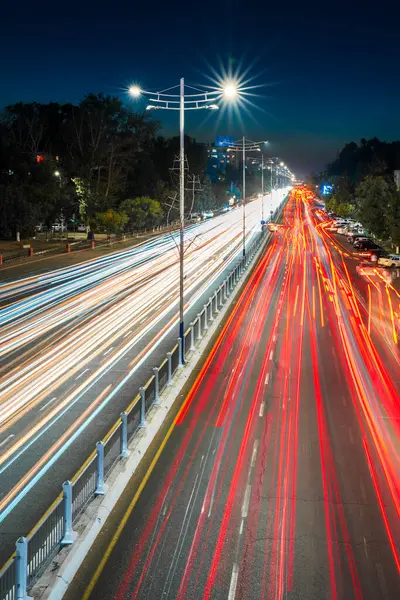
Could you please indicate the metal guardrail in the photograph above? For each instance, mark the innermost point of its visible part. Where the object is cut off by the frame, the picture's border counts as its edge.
(55, 529)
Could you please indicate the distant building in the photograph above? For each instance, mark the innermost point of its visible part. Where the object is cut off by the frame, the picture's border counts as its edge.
(220, 155)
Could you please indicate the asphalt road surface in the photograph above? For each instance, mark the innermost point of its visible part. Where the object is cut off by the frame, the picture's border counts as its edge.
(77, 342)
(279, 478)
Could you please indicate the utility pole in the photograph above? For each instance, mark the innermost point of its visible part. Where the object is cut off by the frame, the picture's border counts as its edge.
(262, 187)
(244, 145)
(194, 186)
(182, 216)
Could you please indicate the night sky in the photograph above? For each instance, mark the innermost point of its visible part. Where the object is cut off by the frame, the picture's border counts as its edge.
(329, 72)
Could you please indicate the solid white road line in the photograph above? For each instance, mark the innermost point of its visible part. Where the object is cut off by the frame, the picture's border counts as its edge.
(246, 502)
(47, 404)
(7, 439)
(253, 456)
(234, 580)
(83, 372)
(241, 527)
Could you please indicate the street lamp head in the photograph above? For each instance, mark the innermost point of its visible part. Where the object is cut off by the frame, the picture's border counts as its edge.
(230, 90)
(135, 91)
(57, 173)
(282, 164)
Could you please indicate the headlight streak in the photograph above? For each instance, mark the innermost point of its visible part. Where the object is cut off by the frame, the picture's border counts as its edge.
(300, 273)
(32, 384)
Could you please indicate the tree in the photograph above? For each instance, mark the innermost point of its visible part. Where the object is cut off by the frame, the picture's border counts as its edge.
(372, 196)
(369, 157)
(111, 220)
(103, 146)
(142, 211)
(341, 202)
(206, 197)
(393, 218)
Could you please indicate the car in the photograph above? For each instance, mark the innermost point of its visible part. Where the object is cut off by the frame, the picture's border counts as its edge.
(359, 236)
(343, 220)
(351, 228)
(373, 254)
(345, 230)
(361, 239)
(365, 245)
(354, 235)
(392, 260)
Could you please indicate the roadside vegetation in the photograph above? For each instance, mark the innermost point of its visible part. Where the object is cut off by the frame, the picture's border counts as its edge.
(363, 177)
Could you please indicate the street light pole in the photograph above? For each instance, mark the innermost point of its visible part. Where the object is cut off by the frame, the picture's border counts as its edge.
(241, 146)
(262, 187)
(165, 100)
(244, 196)
(271, 180)
(182, 215)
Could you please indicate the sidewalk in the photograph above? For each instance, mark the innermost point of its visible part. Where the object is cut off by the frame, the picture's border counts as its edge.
(38, 264)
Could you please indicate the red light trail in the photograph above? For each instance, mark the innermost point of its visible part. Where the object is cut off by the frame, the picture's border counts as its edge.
(282, 474)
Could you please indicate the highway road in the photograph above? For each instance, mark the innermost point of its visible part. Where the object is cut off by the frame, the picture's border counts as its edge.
(280, 476)
(77, 342)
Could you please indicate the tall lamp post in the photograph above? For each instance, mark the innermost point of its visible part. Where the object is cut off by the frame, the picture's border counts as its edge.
(244, 146)
(165, 100)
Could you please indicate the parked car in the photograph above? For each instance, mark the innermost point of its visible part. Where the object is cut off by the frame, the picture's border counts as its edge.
(58, 226)
(357, 233)
(365, 245)
(392, 260)
(345, 230)
(373, 254)
(361, 238)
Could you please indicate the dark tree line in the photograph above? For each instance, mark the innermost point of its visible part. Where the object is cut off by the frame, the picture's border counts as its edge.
(363, 179)
(93, 162)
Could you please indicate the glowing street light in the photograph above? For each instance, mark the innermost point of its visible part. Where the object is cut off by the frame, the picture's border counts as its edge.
(230, 90)
(165, 100)
(135, 91)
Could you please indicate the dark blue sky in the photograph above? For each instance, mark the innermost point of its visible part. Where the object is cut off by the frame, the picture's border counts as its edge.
(330, 70)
